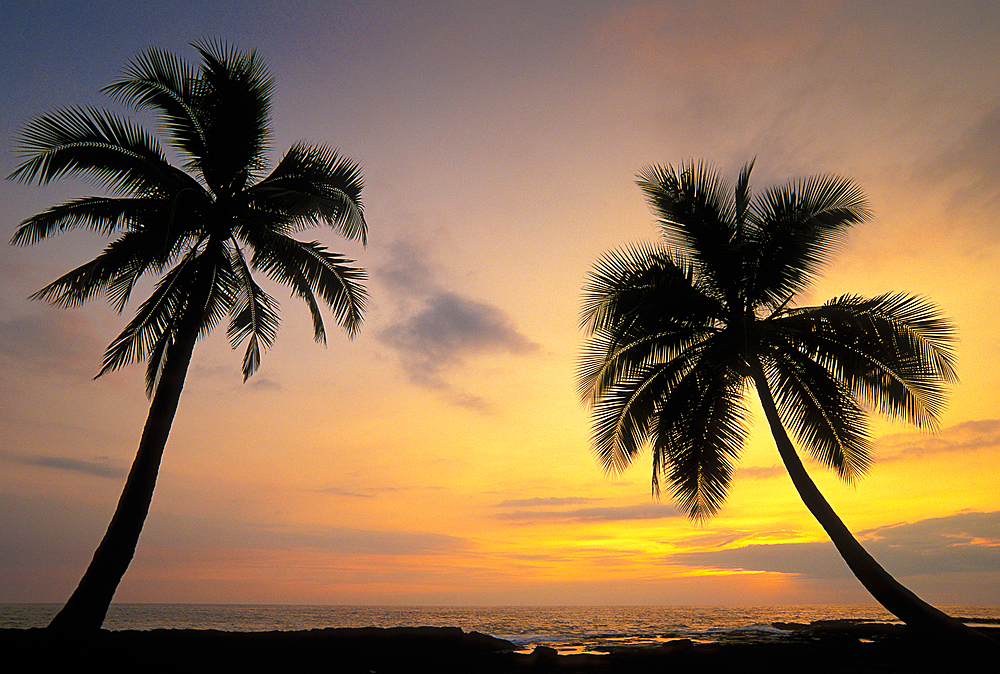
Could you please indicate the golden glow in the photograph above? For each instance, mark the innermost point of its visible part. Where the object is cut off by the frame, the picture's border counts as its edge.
(457, 469)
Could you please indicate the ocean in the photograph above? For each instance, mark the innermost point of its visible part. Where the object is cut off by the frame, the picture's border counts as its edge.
(569, 629)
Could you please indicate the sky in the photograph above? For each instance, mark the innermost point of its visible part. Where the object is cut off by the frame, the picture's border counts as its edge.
(442, 457)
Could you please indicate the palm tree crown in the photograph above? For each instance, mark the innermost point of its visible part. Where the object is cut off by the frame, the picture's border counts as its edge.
(680, 329)
(204, 229)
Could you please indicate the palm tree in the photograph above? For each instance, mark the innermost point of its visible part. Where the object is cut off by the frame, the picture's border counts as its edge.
(680, 330)
(203, 230)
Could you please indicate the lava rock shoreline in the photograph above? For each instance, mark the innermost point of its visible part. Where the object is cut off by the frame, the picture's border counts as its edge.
(819, 648)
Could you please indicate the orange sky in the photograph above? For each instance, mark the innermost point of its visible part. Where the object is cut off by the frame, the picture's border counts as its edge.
(442, 457)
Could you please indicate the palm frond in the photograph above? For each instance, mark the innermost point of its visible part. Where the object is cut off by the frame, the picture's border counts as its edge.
(253, 314)
(637, 279)
(156, 360)
(608, 360)
(155, 320)
(696, 212)
(818, 408)
(640, 308)
(116, 154)
(798, 227)
(742, 199)
(294, 277)
(622, 414)
(104, 215)
(328, 275)
(234, 109)
(203, 298)
(167, 84)
(114, 272)
(314, 184)
(339, 284)
(894, 351)
(699, 432)
(223, 282)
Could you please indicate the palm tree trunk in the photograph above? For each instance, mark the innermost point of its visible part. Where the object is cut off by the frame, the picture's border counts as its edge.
(86, 608)
(896, 599)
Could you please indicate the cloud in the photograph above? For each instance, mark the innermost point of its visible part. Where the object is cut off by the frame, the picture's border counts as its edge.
(336, 491)
(264, 384)
(966, 542)
(448, 329)
(466, 400)
(95, 468)
(963, 542)
(759, 473)
(406, 270)
(363, 493)
(813, 560)
(544, 501)
(642, 511)
(969, 436)
(437, 330)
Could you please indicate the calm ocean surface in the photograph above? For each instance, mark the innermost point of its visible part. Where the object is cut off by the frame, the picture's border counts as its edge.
(567, 628)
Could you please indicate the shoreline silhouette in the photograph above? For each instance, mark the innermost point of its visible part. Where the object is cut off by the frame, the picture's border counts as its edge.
(824, 646)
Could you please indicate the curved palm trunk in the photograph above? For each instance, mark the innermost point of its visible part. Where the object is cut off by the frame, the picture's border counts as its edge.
(896, 599)
(86, 608)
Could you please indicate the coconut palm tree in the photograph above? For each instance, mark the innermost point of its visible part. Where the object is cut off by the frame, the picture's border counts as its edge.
(680, 331)
(203, 229)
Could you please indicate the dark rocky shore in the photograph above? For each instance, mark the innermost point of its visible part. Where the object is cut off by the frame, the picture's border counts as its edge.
(817, 649)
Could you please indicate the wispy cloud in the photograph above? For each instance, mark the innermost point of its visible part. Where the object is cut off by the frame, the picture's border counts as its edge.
(758, 472)
(962, 542)
(374, 492)
(263, 384)
(336, 491)
(969, 436)
(545, 501)
(641, 511)
(95, 468)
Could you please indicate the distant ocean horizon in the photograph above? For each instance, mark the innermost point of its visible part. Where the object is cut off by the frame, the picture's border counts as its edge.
(569, 629)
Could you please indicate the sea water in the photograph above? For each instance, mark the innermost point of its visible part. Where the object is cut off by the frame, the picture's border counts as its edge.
(569, 629)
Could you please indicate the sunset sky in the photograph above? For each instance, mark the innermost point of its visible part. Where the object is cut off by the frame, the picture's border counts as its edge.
(442, 456)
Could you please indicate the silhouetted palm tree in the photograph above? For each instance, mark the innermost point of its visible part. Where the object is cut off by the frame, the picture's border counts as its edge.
(680, 331)
(203, 231)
